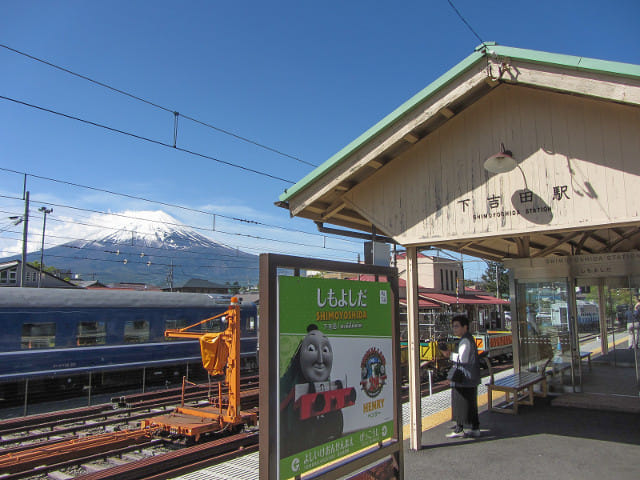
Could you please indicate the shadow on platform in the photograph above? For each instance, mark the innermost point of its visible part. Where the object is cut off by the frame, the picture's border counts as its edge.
(540, 442)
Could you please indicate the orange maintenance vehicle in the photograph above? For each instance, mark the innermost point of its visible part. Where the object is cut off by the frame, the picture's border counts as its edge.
(220, 356)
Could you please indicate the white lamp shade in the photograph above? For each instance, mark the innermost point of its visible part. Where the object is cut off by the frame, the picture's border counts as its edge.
(500, 163)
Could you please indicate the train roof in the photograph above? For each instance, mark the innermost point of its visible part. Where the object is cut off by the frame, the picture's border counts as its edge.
(60, 298)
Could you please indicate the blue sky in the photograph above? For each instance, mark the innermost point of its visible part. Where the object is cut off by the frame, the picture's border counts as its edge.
(304, 78)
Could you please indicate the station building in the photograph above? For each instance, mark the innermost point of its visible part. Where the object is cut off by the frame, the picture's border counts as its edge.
(518, 156)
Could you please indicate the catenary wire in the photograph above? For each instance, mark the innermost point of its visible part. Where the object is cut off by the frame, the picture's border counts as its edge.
(147, 139)
(172, 111)
(465, 21)
(144, 249)
(246, 235)
(166, 204)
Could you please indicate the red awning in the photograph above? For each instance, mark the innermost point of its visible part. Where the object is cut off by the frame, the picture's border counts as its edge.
(422, 303)
(445, 299)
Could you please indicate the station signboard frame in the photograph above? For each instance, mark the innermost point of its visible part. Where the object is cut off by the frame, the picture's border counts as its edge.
(329, 369)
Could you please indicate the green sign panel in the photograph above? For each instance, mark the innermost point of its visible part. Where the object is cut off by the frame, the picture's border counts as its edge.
(335, 370)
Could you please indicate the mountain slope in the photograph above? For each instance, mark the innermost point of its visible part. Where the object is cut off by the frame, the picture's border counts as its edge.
(149, 247)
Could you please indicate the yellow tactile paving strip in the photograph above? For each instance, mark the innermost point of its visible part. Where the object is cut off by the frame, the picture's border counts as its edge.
(443, 416)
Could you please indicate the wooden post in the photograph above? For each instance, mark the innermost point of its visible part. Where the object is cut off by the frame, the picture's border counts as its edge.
(89, 399)
(413, 354)
(26, 397)
(602, 306)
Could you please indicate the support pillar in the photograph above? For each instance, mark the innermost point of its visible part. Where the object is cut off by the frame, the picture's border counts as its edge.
(602, 312)
(413, 353)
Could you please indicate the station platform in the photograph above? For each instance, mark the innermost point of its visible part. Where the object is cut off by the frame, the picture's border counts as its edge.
(553, 439)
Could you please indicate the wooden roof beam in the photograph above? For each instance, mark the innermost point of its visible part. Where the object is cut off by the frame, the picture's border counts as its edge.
(447, 112)
(345, 186)
(626, 236)
(332, 209)
(353, 217)
(411, 138)
(583, 239)
(524, 247)
(556, 244)
(491, 253)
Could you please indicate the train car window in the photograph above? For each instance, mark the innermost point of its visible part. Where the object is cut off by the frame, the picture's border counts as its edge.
(174, 323)
(38, 335)
(136, 331)
(91, 333)
(251, 324)
(215, 325)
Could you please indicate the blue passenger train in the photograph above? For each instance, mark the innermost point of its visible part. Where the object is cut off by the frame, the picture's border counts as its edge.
(58, 334)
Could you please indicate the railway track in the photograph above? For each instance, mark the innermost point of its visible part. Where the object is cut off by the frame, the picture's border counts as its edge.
(133, 454)
(124, 413)
(86, 441)
(31, 447)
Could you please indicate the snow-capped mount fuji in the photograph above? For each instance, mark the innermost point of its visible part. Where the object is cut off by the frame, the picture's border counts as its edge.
(149, 247)
(154, 229)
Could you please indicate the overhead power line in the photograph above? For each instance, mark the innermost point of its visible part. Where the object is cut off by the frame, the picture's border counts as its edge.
(158, 202)
(134, 255)
(145, 250)
(147, 139)
(465, 21)
(170, 110)
(118, 229)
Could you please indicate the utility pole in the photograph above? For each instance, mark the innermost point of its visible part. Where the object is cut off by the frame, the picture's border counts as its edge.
(25, 232)
(44, 211)
(170, 276)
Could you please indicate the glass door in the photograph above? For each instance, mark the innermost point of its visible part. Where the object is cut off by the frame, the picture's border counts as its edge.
(545, 331)
(633, 329)
(613, 360)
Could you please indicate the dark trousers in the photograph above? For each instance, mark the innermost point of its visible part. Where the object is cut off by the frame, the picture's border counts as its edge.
(464, 406)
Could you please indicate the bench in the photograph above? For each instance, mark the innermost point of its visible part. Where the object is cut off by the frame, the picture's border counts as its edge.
(586, 355)
(519, 386)
(560, 367)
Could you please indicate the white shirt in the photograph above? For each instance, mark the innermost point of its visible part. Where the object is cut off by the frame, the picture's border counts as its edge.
(463, 355)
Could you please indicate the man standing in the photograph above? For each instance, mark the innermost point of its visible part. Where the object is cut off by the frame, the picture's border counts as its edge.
(464, 378)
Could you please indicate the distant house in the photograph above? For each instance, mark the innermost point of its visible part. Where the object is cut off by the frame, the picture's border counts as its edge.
(131, 286)
(196, 285)
(10, 273)
(249, 297)
(88, 284)
(440, 274)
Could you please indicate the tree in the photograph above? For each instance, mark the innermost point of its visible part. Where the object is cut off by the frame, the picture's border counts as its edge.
(36, 264)
(489, 279)
(56, 272)
(233, 289)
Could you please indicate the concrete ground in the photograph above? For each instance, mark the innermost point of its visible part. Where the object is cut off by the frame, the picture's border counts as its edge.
(541, 442)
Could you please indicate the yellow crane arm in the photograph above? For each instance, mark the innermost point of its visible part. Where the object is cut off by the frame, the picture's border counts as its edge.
(220, 352)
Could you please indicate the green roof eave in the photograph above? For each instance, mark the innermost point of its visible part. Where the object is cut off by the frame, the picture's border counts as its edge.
(487, 48)
(568, 61)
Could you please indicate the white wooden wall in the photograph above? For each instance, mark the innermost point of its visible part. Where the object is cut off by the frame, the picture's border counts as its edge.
(432, 192)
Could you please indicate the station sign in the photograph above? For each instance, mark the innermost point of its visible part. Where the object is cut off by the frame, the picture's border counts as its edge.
(336, 372)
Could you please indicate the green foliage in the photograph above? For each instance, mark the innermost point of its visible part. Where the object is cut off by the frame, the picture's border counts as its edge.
(36, 264)
(489, 279)
(235, 288)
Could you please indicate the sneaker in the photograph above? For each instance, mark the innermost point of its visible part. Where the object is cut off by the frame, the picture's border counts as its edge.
(473, 433)
(455, 434)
